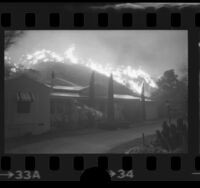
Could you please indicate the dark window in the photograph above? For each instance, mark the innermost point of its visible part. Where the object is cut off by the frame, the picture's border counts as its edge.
(23, 107)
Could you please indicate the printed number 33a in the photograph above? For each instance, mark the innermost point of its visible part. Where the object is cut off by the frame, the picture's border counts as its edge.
(27, 175)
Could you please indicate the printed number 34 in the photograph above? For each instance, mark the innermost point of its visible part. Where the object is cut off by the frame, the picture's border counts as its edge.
(124, 174)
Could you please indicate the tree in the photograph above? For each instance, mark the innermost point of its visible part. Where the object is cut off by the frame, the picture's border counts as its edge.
(173, 90)
(10, 37)
(8, 67)
(92, 90)
(110, 107)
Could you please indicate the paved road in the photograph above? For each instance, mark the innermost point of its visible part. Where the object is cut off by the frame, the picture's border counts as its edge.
(99, 141)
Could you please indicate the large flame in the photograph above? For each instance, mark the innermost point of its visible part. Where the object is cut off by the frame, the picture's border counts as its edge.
(40, 56)
(125, 75)
(69, 54)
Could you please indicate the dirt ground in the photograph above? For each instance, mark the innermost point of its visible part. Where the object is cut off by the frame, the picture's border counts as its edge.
(81, 141)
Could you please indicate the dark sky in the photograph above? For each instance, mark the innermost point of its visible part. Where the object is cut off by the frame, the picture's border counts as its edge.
(153, 50)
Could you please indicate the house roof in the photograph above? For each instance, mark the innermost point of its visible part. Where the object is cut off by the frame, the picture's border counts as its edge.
(129, 97)
(62, 82)
(64, 95)
(77, 95)
(25, 76)
(68, 88)
(119, 96)
(73, 90)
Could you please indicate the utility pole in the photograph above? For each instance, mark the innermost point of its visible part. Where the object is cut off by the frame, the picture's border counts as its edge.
(91, 99)
(110, 104)
(52, 102)
(143, 103)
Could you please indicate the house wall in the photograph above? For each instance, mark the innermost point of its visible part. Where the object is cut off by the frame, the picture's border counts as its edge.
(68, 114)
(35, 122)
(131, 110)
(61, 113)
(151, 110)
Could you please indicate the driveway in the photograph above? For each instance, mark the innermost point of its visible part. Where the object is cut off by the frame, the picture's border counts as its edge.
(99, 141)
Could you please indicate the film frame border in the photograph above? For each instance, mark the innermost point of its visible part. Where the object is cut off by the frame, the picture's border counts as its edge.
(27, 16)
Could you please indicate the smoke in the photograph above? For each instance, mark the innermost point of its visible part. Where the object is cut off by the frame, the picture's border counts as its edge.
(125, 75)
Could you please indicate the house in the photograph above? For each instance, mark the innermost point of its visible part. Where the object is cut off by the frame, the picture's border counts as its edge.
(71, 102)
(69, 108)
(26, 106)
(34, 107)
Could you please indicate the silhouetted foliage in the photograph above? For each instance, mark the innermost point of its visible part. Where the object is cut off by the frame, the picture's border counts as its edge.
(172, 138)
(174, 90)
(8, 69)
(10, 37)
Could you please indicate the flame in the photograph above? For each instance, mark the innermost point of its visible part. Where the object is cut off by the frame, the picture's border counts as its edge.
(125, 75)
(40, 56)
(69, 54)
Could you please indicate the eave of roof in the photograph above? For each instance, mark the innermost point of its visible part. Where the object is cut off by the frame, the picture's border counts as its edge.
(68, 88)
(77, 95)
(18, 76)
(65, 95)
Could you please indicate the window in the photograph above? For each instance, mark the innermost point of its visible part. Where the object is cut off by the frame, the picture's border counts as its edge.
(23, 107)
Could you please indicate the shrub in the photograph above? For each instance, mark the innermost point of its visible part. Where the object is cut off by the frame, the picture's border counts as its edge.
(173, 138)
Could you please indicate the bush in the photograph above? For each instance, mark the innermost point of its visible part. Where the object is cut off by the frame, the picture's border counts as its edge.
(173, 138)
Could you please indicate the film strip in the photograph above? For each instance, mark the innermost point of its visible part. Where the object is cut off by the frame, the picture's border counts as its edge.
(29, 162)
